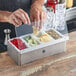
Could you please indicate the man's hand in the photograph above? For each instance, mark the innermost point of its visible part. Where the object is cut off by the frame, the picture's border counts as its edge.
(18, 17)
(37, 14)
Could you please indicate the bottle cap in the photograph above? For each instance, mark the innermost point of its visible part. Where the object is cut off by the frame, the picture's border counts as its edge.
(7, 31)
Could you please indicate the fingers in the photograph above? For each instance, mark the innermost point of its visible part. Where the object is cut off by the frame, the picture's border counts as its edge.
(38, 16)
(18, 17)
(32, 17)
(16, 21)
(42, 19)
(42, 16)
(39, 19)
(25, 15)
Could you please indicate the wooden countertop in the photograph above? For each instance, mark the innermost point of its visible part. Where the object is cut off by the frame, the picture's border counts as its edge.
(63, 64)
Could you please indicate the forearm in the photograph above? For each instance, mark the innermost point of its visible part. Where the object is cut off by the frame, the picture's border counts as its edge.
(4, 16)
(40, 2)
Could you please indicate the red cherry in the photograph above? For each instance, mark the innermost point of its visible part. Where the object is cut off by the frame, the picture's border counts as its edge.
(19, 41)
(19, 44)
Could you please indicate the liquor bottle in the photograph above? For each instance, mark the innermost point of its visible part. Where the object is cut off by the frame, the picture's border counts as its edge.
(69, 3)
(50, 11)
(60, 13)
(52, 4)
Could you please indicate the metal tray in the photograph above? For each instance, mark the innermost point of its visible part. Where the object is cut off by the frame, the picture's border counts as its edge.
(33, 53)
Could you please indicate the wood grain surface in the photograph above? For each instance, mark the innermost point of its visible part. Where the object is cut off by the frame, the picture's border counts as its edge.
(63, 64)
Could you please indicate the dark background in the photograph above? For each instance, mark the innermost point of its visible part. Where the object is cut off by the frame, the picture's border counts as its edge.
(72, 23)
(74, 2)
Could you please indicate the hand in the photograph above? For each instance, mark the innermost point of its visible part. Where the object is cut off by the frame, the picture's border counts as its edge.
(18, 17)
(37, 14)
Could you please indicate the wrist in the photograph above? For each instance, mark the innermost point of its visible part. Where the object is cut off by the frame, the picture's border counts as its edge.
(4, 16)
(38, 3)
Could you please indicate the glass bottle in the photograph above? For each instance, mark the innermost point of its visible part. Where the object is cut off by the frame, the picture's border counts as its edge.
(69, 3)
(52, 3)
(60, 13)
